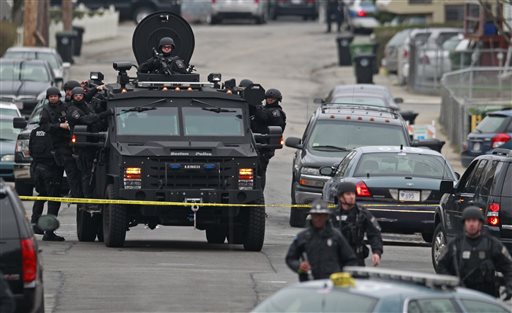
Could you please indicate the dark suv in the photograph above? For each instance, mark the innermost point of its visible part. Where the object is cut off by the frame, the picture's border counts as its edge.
(19, 257)
(487, 183)
(331, 133)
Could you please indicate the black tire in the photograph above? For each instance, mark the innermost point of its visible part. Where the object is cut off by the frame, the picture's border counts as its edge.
(298, 217)
(427, 236)
(214, 20)
(99, 228)
(439, 243)
(115, 221)
(41, 307)
(216, 234)
(86, 226)
(255, 227)
(24, 189)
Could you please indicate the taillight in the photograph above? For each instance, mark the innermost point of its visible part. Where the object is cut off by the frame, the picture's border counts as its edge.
(361, 13)
(257, 1)
(362, 190)
(405, 53)
(493, 214)
(73, 139)
(29, 260)
(132, 178)
(245, 179)
(499, 139)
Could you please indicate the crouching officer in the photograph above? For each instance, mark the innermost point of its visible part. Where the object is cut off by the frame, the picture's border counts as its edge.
(320, 250)
(47, 177)
(164, 63)
(354, 222)
(475, 257)
(271, 114)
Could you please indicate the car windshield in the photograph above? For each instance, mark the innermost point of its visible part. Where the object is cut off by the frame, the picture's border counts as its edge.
(399, 38)
(351, 135)
(147, 121)
(32, 55)
(213, 121)
(403, 165)
(476, 306)
(373, 101)
(7, 131)
(492, 124)
(322, 300)
(23, 71)
(6, 112)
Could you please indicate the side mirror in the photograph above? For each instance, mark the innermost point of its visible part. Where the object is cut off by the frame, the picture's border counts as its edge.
(28, 106)
(19, 123)
(293, 142)
(327, 171)
(398, 100)
(319, 101)
(446, 186)
(48, 222)
(409, 116)
(59, 80)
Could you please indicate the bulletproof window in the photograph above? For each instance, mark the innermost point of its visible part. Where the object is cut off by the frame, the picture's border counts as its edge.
(150, 121)
(211, 121)
(472, 183)
(432, 305)
(475, 306)
(8, 222)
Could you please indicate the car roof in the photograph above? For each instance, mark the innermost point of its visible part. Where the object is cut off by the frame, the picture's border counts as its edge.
(503, 112)
(396, 149)
(32, 49)
(358, 113)
(359, 88)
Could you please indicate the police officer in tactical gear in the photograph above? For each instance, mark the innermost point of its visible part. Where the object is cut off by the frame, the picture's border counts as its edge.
(47, 177)
(68, 87)
(271, 114)
(476, 256)
(320, 250)
(53, 121)
(80, 113)
(334, 12)
(164, 63)
(354, 222)
(244, 83)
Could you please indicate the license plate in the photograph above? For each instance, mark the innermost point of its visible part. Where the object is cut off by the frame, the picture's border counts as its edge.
(409, 195)
(477, 147)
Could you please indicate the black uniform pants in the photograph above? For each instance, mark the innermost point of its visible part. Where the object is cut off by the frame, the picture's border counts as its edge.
(47, 180)
(73, 174)
(334, 15)
(264, 158)
(85, 164)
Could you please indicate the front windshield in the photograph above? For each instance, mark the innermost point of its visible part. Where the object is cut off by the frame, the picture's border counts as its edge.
(210, 121)
(372, 101)
(153, 121)
(351, 135)
(7, 132)
(23, 71)
(403, 164)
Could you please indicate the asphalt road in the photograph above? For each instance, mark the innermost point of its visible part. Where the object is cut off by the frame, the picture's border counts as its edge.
(174, 269)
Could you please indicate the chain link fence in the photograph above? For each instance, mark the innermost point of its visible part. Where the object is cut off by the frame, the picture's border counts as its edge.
(464, 90)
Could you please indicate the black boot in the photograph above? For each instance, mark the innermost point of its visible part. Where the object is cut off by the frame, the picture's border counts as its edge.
(51, 236)
(37, 230)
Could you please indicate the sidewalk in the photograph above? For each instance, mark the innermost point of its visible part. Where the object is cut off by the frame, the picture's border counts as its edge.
(428, 107)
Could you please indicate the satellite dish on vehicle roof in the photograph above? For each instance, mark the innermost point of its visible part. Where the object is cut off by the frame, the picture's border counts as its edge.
(155, 26)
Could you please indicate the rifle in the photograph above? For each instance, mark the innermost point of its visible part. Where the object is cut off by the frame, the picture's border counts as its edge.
(166, 68)
(305, 276)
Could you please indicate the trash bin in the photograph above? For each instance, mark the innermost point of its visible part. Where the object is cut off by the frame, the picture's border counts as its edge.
(409, 116)
(79, 31)
(365, 48)
(343, 44)
(363, 66)
(432, 144)
(65, 45)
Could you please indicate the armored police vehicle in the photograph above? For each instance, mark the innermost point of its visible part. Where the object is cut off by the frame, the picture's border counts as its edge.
(175, 138)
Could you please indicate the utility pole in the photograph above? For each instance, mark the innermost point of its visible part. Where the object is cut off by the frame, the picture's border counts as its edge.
(67, 15)
(29, 22)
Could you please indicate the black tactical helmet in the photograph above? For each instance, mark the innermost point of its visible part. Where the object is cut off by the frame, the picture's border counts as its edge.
(77, 91)
(244, 83)
(52, 91)
(472, 212)
(319, 207)
(345, 186)
(274, 93)
(70, 84)
(166, 41)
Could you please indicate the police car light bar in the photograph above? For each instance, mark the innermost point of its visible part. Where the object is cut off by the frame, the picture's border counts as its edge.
(424, 279)
(151, 84)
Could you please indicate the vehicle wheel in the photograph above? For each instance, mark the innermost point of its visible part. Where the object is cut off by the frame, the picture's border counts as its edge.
(427, 236)
(255, 227)
(86, 225)
(298, 217)
(41, 307)
(141, 12)
(305, 18)
(260, 20)
(24, 189)
(99, 226)
(216, 234)
(114, 221)
(439, 244)
(212, 20)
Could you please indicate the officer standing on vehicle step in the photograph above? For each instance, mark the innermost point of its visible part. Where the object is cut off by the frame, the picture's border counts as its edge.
(165, 63)
(475, 257)
(53, 120)
(354, 222)
(79, 113)
(320, 250)
(47, 177)
(271, 114)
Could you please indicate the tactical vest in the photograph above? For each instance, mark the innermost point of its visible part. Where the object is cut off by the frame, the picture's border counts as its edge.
(41, 146)
(476, 268)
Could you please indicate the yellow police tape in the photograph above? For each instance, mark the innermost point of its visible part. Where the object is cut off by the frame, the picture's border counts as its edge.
(373, 207)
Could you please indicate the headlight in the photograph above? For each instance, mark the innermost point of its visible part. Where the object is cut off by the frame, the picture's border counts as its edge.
(22, 146)
(7, 158)
(311, 177)
(310, 171)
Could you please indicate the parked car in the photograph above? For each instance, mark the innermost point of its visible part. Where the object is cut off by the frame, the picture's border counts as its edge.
(21, 81)
(378, 290)
(196, 11)
(243, 9)
(418, 35)
(9, 109)
(332, 132)
(364, 94)
(361, 15)
(486, 184)
(392, 175)
(492, 132)
(390, 59)
(60, 69)
(8, 136)
(308, 9)
(434, 56)
(19, 254)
